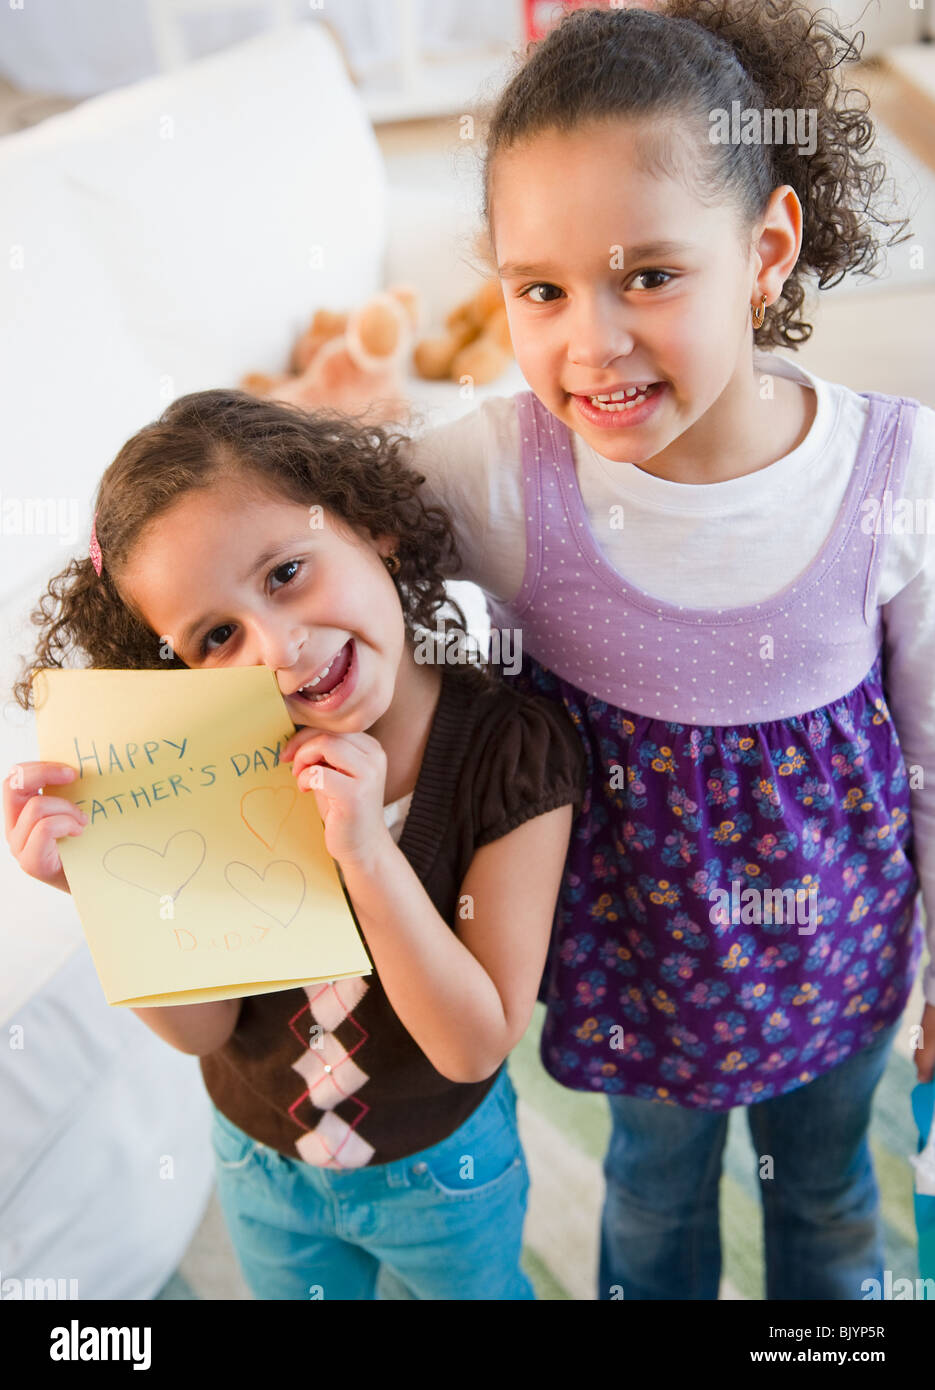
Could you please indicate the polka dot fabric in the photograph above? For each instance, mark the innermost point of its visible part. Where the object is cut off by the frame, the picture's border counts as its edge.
(808, 645)
(728, 750)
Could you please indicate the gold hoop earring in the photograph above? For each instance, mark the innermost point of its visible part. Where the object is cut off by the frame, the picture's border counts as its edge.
(393, 563)
(759, 314)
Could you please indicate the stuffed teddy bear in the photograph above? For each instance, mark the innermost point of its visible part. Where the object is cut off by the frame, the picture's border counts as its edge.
(351, 362)
(476, 344)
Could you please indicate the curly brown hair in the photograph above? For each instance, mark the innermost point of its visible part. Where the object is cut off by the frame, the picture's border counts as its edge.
(353, 470)
(690, 58)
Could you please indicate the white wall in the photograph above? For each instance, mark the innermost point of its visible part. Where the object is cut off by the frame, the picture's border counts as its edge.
(82, 47)
(885, 22)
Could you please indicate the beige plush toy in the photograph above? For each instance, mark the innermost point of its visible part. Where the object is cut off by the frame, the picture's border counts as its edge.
(476, 343)
(352, 362)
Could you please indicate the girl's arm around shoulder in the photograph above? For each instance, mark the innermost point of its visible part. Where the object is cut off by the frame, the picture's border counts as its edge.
(196, 1029)
(465, 462)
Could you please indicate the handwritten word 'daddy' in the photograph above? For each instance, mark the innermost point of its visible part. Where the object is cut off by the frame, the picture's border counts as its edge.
(174, 784)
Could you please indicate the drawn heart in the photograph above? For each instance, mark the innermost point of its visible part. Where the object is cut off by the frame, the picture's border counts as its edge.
(265, 811)
(161, 872)
(273, 892)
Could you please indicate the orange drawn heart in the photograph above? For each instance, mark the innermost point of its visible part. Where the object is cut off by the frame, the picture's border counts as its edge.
(265, 811)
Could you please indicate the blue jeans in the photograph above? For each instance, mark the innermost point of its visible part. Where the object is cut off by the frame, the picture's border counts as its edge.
(659, 1232)
(302, 1232)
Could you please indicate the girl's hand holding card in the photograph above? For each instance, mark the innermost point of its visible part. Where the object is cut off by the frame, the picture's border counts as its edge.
(347, 773)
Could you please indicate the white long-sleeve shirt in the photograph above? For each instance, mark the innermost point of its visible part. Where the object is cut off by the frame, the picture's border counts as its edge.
(722, 544)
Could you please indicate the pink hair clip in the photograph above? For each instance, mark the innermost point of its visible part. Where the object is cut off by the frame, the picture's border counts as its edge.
(94, 550)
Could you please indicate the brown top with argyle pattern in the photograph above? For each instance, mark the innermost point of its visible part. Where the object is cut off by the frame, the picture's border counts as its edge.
(327, 1073)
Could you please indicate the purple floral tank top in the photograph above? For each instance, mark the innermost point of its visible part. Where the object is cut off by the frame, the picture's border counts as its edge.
(739, 910)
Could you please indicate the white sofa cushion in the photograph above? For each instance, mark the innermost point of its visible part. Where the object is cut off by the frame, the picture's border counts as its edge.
(173, 235)
(105, 1166)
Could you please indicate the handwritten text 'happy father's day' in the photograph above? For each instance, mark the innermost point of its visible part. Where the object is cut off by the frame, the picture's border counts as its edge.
(114, 761)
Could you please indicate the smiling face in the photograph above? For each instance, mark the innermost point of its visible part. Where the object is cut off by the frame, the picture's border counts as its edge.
(615, 277)
(236, 578)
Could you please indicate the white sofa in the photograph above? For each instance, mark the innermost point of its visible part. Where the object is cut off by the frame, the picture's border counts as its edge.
(163, 239)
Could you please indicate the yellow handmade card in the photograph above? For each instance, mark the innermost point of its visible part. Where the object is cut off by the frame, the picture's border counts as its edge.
(202, 873)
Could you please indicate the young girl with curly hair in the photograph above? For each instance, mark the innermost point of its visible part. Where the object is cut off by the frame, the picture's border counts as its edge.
(369, 1121)
(691, 534)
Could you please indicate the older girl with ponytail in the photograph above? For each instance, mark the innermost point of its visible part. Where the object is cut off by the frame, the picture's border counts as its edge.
(684, 528)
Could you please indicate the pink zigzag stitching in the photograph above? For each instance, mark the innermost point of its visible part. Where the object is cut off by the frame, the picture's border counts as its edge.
(347, 1136)
(307, 1095)
(364, 1035)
